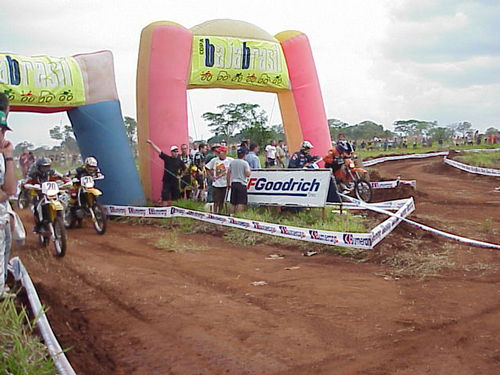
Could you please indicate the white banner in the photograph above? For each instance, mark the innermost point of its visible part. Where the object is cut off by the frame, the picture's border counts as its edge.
(392, 184)
(473, 169)
(292, 187)
(371, 162)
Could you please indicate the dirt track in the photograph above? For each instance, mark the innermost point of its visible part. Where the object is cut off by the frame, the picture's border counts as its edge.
(126, 307)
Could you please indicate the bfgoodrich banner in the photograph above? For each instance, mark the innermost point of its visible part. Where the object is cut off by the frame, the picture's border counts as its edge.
(294, 187)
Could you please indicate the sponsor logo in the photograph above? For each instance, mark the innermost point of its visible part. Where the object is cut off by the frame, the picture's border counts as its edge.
(117, 210)
(137, 211)
(158, 211)
(315, 235)
(200, 215)
(220, 219)
(266, 228)
(289, 187)
(351, 239)
(176, 210)
(291, 232)
(240, 223)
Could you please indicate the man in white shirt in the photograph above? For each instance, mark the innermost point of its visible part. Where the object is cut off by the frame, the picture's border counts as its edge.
(271, 154)
(237, 175)
(217, 173)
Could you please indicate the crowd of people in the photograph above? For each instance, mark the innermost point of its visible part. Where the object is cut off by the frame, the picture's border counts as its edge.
(207, 173)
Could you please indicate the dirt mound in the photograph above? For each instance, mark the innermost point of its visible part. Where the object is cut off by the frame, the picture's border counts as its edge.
(399, 192)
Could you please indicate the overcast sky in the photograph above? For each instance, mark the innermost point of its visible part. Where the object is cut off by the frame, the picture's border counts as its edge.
(380, 60)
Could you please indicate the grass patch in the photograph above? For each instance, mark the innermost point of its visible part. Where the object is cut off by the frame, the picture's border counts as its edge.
(172, 243)
(480, 159)
(419, 264)
(21, 350)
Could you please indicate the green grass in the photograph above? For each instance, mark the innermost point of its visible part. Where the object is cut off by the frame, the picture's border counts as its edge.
(480, 159)
(365, 154)
(21, 351)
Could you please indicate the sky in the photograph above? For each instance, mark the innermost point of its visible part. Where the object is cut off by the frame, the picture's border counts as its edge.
(384, 60)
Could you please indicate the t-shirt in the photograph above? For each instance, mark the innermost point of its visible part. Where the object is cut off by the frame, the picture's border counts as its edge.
(172, 167)
(239, 168)
(271, 152)
(219, 168)
(253, 160)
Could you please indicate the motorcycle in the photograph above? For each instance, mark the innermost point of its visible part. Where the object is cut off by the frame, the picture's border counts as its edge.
(350, 175)
(50, 215)
(83, 203)
(25, 196)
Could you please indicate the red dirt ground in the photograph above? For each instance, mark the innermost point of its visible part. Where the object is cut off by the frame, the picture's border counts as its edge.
(124, 306)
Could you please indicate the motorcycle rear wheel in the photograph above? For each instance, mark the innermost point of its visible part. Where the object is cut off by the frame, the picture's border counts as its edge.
(60, 240)
(100, 218)
(363, 190)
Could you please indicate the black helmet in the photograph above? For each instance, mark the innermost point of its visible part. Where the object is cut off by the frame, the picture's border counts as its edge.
(43, 165)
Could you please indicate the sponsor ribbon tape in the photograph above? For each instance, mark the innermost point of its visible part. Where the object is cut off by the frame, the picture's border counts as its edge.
(473, 169)
(353, 240)
(16, 267)
(379, 230)
(392, 184)
(388, 205)
(368, 163)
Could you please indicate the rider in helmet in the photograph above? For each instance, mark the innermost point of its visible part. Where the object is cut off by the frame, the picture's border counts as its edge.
(335, 159)
(89, 168)
(39, 173)
(303, 157)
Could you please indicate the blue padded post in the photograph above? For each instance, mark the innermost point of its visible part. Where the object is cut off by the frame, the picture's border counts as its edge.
(100, 132)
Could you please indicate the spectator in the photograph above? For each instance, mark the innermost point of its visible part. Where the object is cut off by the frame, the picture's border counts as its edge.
(7, 188)
(172, 170)
(217, 171)
(237, 175)
(280, 155)
(271, 154)
(303, 157)
(252, 158)
(186, 158)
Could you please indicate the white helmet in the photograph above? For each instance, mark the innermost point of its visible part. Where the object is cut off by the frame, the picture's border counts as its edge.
(306, 144)
(91, 162)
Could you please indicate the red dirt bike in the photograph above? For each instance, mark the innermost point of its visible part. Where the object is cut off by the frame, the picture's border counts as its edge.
(350, 177)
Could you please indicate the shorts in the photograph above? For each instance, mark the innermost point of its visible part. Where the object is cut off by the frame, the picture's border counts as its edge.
(170, 191)
(270, 162)
(239, 194)
(219, 194)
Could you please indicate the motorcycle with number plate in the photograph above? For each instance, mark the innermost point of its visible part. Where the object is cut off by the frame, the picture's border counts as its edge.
(83, 204)
(50, 215)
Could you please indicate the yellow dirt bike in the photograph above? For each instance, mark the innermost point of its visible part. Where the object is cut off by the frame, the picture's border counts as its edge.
(50, 212)
(83, 203)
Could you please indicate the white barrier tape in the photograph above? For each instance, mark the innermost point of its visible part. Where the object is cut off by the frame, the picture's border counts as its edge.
(351, 240)
(392, 184)
(473, 169)
(371, 162)
(388, 205)
(399, 216)
(20, 273)
(480, 150)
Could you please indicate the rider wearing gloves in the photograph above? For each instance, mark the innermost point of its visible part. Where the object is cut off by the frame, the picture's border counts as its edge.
(41, 172)
(303, 157)
(335, 159)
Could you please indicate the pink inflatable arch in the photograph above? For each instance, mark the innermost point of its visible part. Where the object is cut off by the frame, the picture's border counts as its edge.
(223, 54)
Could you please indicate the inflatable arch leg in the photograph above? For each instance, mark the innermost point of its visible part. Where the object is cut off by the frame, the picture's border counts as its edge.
(99, 132)
(306, 94)
(162, 74)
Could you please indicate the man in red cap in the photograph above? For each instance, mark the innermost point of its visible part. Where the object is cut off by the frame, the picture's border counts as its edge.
(217, 170)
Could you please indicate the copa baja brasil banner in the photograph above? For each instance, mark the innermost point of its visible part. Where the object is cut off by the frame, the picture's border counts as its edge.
(294, 187)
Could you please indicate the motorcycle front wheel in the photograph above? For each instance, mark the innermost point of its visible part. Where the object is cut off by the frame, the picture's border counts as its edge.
(100, 218)
(363, 190)
(60, 240)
